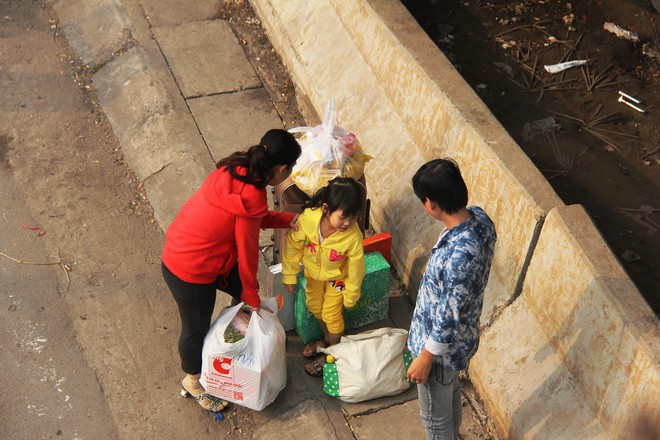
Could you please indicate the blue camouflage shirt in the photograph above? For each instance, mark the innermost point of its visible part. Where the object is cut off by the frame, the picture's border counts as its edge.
(446, 317)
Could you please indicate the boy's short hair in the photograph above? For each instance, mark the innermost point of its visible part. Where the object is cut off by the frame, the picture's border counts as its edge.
(440, 181)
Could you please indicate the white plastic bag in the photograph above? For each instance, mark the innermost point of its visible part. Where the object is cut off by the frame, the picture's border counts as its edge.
(250, 372)
(328, 151)
(368, 365)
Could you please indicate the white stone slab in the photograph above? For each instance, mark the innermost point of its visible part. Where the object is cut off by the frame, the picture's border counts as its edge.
(173, 12)
(234, 121)
(171, 187)
(306, 421)
(206, 58)
(153, 131)
(84, 21)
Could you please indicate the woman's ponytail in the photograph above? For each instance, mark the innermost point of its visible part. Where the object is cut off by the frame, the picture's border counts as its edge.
(277, 147)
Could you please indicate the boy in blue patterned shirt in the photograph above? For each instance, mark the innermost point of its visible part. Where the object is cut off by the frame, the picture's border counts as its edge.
(444, 333)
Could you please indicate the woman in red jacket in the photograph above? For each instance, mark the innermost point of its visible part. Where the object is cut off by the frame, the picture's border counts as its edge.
(213, 243)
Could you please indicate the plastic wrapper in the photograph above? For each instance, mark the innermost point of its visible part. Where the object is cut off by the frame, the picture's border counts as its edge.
(328, 151)
(251, 371)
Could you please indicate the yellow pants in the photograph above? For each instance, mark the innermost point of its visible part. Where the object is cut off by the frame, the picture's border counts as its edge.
(325, 299)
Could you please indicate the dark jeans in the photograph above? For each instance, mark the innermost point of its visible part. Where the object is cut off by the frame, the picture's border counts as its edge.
(196, 302)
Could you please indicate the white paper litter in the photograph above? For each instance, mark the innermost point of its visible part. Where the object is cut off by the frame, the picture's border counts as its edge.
(556, 68)
(620, 32)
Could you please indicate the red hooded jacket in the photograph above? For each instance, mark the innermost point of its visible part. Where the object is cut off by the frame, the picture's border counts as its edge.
(218, 226)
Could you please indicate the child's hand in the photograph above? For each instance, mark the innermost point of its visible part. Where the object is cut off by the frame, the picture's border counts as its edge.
(351, 308)
(293, 223)
(290, 288)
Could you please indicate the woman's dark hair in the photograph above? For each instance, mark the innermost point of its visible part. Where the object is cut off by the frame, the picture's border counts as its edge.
(440, 181)
(341, 193)
(277, 147)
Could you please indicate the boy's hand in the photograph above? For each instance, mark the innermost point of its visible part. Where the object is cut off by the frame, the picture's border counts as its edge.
(351, 308)
(290, 288)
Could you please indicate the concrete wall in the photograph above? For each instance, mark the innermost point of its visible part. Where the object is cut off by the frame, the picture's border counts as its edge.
(579, 344)
(574, 356)
(424, 110)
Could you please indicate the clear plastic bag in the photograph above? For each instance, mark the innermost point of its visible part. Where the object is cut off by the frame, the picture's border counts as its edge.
(328, 151)
(251, 371)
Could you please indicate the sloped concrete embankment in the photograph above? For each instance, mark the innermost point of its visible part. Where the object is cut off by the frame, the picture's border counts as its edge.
(570, 348)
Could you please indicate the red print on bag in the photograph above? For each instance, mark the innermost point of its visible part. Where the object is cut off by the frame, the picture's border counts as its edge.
(222, 365)
(335, 256)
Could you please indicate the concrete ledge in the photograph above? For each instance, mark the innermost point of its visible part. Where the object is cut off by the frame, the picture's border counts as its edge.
(169, 189)
(579, 325)
(201, 76)
(84, 21)
(399, 94)
(152, 133)
(222, 120)
(296, 422)
(407, 104)
(173, 12)
(526, 388)
(596, 321)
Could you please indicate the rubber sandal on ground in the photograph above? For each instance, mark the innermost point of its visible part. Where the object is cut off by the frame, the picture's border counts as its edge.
(211, 403)
(206, 401)
(313, 346)
(317, 369)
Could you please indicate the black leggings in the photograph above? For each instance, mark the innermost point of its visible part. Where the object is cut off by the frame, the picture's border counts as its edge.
(196, 303)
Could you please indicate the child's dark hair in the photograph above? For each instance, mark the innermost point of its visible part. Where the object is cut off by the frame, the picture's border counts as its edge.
(341, 193)
(440, 181)
(277, 147)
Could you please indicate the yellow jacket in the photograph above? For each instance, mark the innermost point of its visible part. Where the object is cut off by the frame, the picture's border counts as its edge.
(339, 257)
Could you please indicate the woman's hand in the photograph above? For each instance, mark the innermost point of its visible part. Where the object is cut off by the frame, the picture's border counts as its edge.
(290, 288)
(420, 367)
(294, 225)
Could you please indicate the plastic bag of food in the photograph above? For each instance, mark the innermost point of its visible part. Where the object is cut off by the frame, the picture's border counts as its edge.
(328, 151)
(238, 326)
(252, 370)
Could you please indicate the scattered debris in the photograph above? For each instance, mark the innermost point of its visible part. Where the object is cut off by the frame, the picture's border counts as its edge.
(556, 68)
(642, 216)
(620, 32)
(651, 157)
(650, 51)
(538, 127)
(605, 78)
(564, 159)
(504, 67)
(630, 256)
(66, 267)
(535, 83)
(624, 98)
(41, 232)
(590, 125)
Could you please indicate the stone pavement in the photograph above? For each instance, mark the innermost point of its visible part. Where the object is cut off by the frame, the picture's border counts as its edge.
(181, 94)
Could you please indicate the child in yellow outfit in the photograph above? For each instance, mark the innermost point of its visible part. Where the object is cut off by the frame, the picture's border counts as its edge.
(328, 242)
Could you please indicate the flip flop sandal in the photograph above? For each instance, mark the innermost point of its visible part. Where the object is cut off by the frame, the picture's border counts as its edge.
(318, 369)
(207, 401)
(316, 354)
